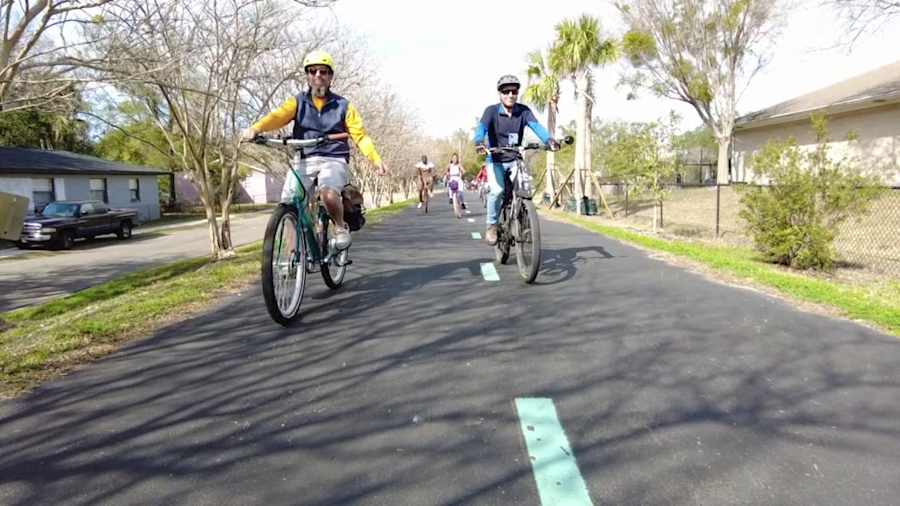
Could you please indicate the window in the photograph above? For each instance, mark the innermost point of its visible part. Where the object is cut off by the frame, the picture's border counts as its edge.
(98, 190)
(87, 209)
(134, 188)
(42, 191)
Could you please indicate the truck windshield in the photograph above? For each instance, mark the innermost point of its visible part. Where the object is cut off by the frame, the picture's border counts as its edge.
(60, 210)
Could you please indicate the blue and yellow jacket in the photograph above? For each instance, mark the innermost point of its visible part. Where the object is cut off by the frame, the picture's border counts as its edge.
(317, 116)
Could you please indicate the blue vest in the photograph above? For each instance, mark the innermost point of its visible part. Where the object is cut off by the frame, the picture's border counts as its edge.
(311, 123)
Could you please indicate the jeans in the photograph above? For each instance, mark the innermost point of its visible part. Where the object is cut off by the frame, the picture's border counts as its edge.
(496, 181)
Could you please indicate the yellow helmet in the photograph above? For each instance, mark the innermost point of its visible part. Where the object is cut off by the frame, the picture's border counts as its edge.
(318, 57)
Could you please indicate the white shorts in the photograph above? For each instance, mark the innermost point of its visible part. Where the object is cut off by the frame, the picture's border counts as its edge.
(333, 173)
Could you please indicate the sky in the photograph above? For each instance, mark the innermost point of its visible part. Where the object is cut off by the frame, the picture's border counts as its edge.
(445, 57)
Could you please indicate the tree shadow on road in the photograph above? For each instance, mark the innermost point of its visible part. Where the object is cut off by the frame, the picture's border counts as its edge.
(403, 382)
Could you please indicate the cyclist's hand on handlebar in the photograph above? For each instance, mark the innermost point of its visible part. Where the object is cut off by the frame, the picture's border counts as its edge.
(249, 134)
(481, 149)
(553, 144)
(382, 169)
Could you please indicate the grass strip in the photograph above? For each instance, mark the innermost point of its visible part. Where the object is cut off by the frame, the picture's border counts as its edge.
(43, 341)
(878, 305)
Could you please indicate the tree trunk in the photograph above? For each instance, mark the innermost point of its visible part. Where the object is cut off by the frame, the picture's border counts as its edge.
(225, 228)
(215, 245)
(581, 82)
(550, 175)
(207, 197)
(657, 215)
(588, 109)
(722, 165)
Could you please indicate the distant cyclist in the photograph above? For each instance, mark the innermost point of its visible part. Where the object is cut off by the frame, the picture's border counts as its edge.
(481, 182)
(455, 174)
(425, 173)
(504, 125)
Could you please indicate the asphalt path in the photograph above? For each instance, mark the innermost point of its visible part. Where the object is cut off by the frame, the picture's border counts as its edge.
(35, 276)
(401, 387)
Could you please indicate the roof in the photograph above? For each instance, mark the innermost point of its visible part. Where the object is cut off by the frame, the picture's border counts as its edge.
(39, 161)
(874, 88)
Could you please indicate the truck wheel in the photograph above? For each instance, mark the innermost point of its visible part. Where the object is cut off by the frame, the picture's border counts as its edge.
(66, 240)
(124, 231)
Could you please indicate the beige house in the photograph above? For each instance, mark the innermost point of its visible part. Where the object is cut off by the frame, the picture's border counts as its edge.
(259, 186)
(866, 106)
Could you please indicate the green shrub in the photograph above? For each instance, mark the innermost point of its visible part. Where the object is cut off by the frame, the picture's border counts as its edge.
(794, 220)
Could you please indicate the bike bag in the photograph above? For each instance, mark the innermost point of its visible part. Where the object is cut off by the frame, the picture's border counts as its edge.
(354, 212)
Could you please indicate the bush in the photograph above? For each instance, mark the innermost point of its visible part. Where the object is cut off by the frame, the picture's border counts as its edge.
(794, 221)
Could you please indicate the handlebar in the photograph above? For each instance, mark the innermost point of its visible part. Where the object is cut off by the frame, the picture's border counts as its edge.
(534, 145)
(300, 143)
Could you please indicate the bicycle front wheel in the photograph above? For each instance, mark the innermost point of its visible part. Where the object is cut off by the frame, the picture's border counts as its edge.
(284, 265)
(528, 240)
(335, 269)
(501, 249)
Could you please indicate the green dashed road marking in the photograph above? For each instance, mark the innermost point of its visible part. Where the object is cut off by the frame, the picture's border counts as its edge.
(559, 481)
(476, 235)
(489, 273)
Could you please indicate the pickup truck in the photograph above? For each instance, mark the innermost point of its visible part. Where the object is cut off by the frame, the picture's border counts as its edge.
(60, 223)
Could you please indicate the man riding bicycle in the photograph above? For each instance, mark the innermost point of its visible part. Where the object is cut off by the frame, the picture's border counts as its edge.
(504, 125)
(425, 172)
(317, 113)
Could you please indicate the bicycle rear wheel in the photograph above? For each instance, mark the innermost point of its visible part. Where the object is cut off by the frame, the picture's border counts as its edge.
(528, 240)
(283, 273)
(334, 271)
(456, 209)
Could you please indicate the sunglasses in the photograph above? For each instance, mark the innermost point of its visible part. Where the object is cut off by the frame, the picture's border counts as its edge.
(510, 91)
(323, 71)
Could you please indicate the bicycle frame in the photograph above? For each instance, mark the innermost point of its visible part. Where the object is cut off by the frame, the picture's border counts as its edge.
(306, 225)
(518, 189)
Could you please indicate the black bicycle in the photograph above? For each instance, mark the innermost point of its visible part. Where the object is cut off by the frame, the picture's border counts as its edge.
(518, 225)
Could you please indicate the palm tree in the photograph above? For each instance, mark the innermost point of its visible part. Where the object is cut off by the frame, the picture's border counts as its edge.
(579, 47)
(543, 93)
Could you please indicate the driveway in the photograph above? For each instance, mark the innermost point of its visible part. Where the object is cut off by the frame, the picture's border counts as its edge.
(35, 276)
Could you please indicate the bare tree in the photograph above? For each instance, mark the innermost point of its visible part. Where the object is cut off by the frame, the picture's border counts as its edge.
(394, 129)
(701, 52)
(201, 54)
(864, 16)
(37, 56)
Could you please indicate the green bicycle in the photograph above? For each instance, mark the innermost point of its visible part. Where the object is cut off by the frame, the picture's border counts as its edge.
(298, 241)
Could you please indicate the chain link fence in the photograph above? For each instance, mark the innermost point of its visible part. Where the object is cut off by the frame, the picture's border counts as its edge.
(871, 242)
